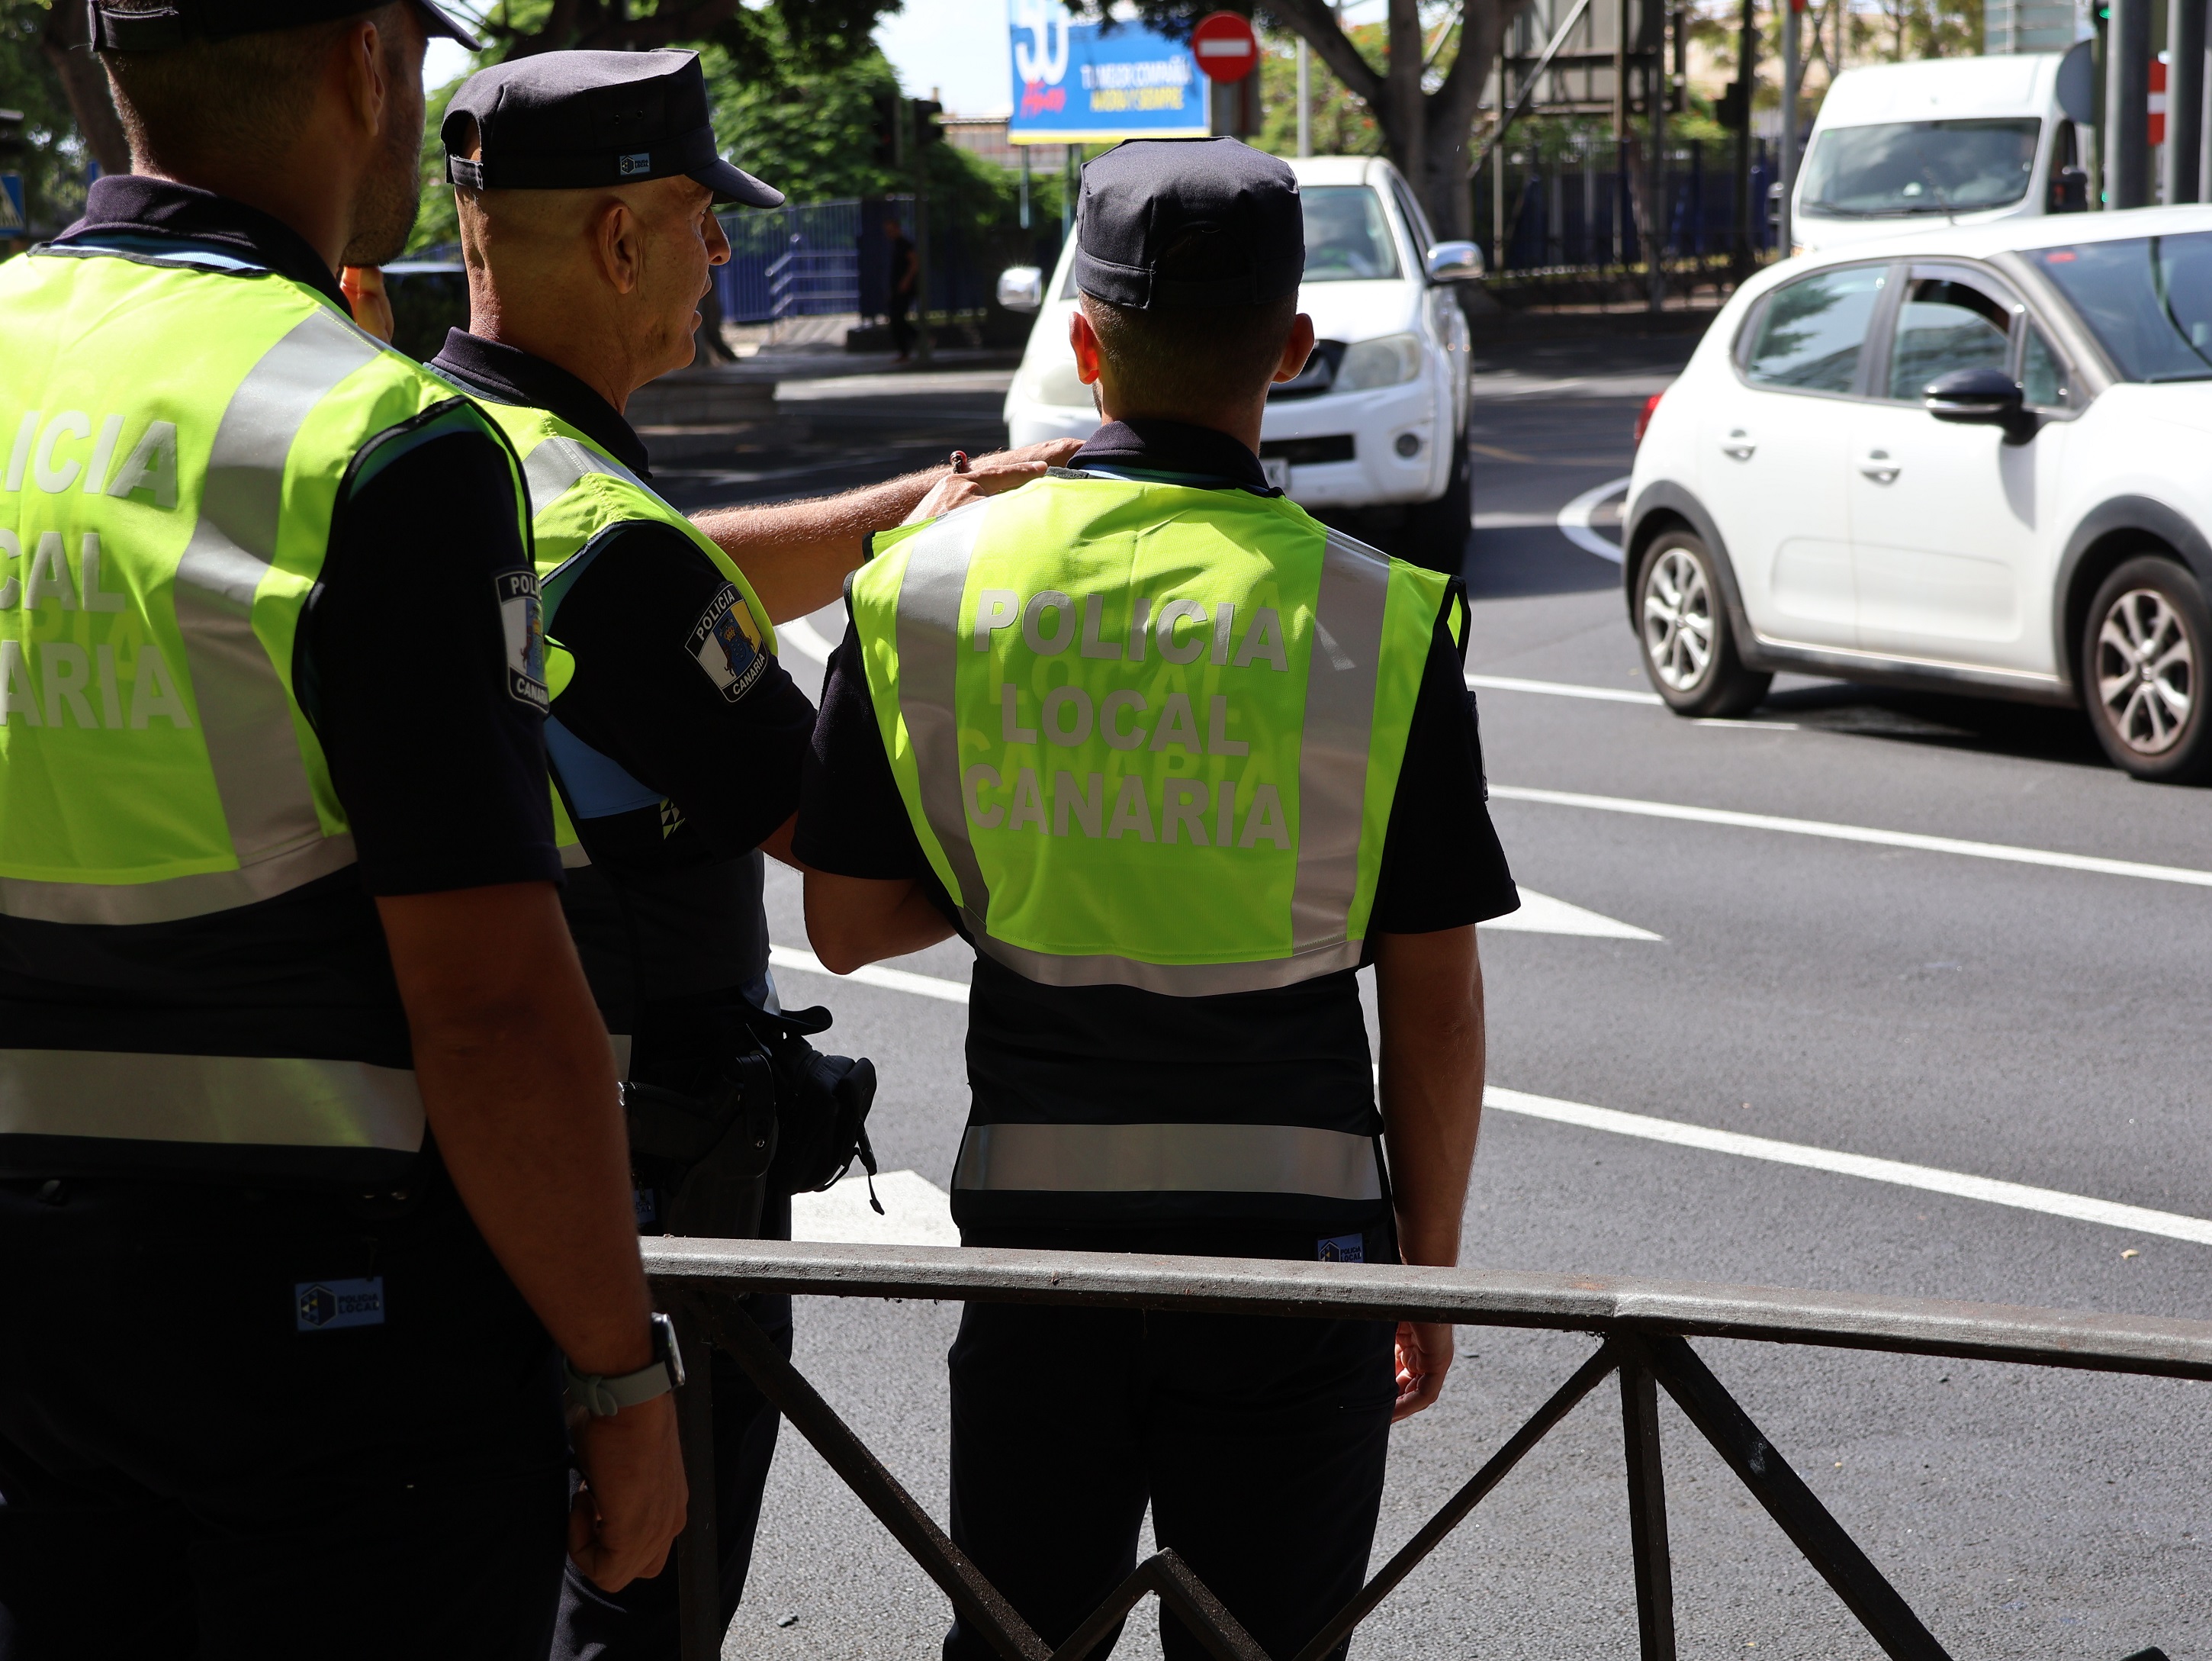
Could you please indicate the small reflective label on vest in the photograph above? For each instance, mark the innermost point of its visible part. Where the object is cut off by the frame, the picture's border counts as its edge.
(523, 624)
(1342, 1249)
(326, 1305)
(726, 644)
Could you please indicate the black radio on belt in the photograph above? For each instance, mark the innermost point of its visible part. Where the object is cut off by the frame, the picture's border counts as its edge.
(782, 1118)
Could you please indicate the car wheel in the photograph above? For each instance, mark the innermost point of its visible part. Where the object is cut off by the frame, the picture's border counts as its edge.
(1435, 532)
(1683, 622)
(2143, 658)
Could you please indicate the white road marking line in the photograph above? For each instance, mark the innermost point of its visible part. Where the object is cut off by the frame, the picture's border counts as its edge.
(1539, 914)
(1748, 726)
(916, 1212)
(806, 637)
(895, 980)
(2135, 1219)
(1575, 520)
(1560, 689)
(1647, 1127)
(1978, 850)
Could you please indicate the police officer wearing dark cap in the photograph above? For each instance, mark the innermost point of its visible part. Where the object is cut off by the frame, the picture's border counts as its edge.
(312, 1170)
(1179, 761)
(586, 183)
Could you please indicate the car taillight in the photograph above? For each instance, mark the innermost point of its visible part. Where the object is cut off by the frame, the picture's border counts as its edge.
(1650, 409)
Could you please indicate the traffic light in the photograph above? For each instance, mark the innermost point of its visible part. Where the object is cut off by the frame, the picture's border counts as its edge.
(1729, 108)
(882, 129)
(926, 129)
(11, 136)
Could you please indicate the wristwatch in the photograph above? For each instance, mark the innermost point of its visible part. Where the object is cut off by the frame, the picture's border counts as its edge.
(602, 1396)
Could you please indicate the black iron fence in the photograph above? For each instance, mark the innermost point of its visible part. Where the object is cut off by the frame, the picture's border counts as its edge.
(1642, 1329)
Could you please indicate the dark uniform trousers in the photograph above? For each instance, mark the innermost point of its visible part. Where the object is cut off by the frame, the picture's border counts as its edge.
(187, 1472)
(1259, 1441)
(640, 1622)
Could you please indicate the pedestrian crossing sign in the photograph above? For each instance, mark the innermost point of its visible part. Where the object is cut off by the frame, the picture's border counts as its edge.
(11, 202)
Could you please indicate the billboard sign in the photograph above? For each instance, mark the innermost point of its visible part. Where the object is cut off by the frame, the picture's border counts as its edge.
(1083, 83)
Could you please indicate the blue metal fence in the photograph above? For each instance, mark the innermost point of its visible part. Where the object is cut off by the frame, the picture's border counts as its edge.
(807, 261)
(1577, 212)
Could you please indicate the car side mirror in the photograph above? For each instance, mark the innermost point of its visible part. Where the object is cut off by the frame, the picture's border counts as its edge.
(1021, 287)
(1454, 262)
(1981, 397)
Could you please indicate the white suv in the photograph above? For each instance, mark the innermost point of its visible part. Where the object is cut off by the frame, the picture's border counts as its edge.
(1971, 460)
(1379, 419)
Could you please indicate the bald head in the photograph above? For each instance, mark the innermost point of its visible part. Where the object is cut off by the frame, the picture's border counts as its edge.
(604, 282)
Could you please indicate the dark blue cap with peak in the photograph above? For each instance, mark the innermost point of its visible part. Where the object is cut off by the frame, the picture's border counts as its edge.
(1172, 222)
(173, 22)
(576, 120)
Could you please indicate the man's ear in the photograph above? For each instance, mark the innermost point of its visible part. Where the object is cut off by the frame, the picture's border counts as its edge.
(618, 240)
(368, 88)
(1296, 350)
(1084, 340)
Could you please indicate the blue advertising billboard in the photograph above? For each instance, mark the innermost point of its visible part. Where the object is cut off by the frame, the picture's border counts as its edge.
(1083, 83)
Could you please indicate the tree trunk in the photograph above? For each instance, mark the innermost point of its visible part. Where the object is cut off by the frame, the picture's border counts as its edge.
(1426, 133)
(67, 47)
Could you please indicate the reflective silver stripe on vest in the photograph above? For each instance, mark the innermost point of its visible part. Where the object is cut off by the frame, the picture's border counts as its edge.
(244, 715)
(274, 1101)
(558, 464)
(1184, 1158)
(1355, 587)
(1332, 767)
(927, 640)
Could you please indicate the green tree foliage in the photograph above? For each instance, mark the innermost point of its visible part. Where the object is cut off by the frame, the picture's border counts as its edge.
(803, 122)
(1342, 124)
(54, 166)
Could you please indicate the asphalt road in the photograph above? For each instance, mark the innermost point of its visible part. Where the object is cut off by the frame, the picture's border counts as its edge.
(1979, 1016)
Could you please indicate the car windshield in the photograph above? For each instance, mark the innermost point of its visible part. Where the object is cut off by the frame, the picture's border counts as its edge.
(1347, 235)
(2147, 299)
(1920, 166)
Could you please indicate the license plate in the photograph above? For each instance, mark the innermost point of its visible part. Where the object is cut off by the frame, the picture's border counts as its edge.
(1278, 472)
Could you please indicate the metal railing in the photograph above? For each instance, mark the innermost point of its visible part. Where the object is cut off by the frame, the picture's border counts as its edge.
(1643, 1328)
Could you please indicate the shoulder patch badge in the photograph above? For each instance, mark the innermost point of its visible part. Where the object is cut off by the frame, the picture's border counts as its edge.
(725, 644)
(523, 624)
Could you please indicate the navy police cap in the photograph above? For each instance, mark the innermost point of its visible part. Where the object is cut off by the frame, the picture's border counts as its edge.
(160, 26)
(574, 120)
(1230, 214)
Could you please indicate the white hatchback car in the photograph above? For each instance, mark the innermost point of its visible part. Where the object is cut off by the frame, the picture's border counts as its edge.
(1379, 419)
(1970, 460)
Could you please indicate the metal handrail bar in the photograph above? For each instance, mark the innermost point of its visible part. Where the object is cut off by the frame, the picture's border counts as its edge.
(2159, 1346)
(1642, 1325)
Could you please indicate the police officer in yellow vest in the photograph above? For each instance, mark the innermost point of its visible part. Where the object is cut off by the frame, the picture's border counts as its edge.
(1178, 761)
(586, 186)
(311, 1154)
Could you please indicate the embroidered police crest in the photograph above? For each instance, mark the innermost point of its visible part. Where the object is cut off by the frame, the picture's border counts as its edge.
(725, 643)
(522, 622)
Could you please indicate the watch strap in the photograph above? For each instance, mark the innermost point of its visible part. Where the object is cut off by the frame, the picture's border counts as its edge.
(603, 1396)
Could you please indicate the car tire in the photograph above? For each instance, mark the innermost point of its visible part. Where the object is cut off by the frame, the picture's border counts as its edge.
(1682, 624)
(2146, 645)
(1435, 533)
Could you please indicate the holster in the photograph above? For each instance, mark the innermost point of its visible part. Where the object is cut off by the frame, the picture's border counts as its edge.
(781, 1118)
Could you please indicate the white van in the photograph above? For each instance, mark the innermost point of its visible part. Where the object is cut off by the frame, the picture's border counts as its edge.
(1956, 140)
(1377, 422)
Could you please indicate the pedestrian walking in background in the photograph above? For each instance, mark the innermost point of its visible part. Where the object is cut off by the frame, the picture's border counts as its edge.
(905, 285)
(1177, 760)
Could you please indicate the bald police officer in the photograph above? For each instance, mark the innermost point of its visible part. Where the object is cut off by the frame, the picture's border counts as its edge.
(1178, 761)
(311, 1158)
(587, 186)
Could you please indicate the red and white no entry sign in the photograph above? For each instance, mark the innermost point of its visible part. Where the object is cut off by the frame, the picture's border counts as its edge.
(1225, 46)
